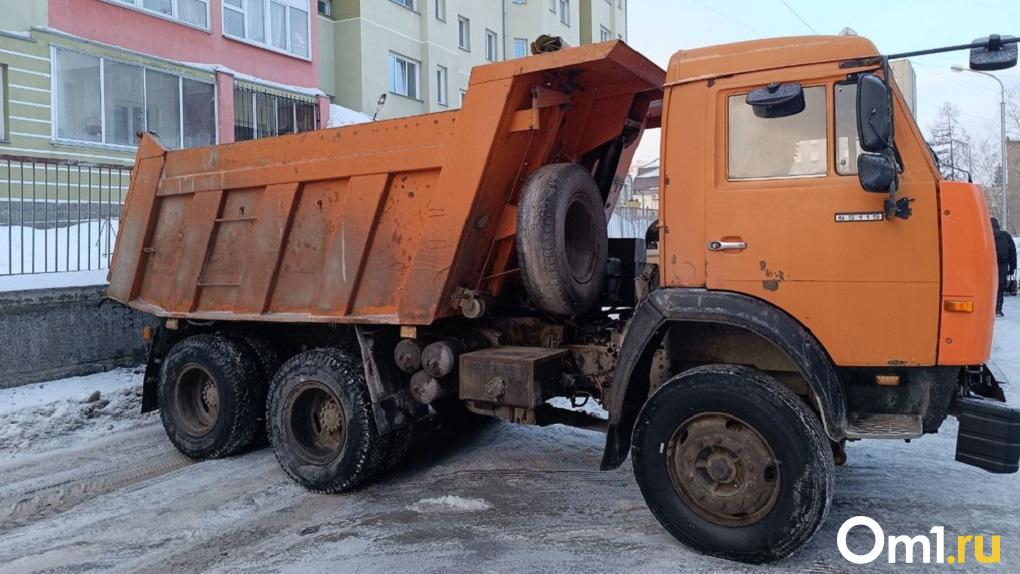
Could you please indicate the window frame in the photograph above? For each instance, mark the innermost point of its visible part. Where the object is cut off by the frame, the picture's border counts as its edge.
(55, 108)
(565, 12)
(525, 42)
(605, 34)
(726, 138)
(4, 108)
(267, 43)
(442, 86)
(396, 56)
(464, 33)
(409, 4)
(440, 8)
(491, 41)
(138, 6)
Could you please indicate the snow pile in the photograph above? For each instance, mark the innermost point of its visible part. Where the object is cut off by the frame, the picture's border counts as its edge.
(51, 415)
(450, 504)
(341, 116)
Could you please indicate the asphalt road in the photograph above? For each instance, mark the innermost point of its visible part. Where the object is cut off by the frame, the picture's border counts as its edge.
(501, 498)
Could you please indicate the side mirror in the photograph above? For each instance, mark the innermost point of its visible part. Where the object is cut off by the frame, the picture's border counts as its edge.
(874, 113)
(993, 54)
(876, 172)
(777, 100)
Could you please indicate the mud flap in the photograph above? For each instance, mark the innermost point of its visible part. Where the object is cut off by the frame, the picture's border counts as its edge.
(989, 435)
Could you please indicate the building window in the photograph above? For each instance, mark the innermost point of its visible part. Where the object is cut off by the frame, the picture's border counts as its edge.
(464, 33)
(260, 114)
(605, 34)
(281, 25)
(552, 5)
(520, 47)
(491, 46)
(326, 7)
(565, 11)
(463, 94)
(794, 146)
(404, 80)
(442, 88)
(97, 100)
(441, 10)
(409, 4)
(194, 12)
(520, 1)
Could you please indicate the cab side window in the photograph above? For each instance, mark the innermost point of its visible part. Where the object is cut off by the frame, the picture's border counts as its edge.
(848, 145)
(794, 146)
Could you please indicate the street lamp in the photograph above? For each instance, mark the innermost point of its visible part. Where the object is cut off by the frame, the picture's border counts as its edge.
(1005, 163)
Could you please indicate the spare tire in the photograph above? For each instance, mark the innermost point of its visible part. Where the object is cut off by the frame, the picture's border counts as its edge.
(562, 240)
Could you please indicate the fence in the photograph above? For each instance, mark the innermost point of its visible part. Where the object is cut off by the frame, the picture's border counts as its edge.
(58, 216)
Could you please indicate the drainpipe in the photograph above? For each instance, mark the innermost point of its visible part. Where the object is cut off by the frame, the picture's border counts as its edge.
(506, 25)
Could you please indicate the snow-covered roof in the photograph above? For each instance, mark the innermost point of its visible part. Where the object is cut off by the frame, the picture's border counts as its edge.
(341, 116)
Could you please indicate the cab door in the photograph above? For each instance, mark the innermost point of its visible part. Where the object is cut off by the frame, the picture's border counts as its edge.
(787, 221)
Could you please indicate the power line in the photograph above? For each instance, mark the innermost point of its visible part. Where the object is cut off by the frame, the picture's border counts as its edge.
(802, 20)
(728, 17)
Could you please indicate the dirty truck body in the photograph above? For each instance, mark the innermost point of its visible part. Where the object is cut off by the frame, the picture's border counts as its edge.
(347, 284)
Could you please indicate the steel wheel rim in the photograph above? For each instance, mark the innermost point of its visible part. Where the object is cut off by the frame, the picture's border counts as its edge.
(196, 400)
(316, 422)
(723, 469)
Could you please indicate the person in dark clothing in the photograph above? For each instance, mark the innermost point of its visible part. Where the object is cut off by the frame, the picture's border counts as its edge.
(1005, 256)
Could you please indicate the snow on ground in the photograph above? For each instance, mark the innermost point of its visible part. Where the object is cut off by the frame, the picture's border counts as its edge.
(57, 414)
(341, 116)
(53, 280)
(450, 503)
(79, 496)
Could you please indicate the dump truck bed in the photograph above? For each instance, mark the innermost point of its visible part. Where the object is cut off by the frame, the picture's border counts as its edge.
(390, 222)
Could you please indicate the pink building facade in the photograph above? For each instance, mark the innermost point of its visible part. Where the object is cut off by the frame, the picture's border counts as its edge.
(79, 78)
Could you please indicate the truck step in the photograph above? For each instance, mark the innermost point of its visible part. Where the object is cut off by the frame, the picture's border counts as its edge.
(894, 426)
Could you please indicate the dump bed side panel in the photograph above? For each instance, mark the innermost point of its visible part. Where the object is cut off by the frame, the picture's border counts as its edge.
(388, 222)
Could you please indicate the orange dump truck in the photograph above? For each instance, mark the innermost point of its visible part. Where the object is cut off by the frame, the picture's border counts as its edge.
(811, 279)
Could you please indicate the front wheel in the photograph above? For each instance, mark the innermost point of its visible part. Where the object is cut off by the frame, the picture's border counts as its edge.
(733, 464)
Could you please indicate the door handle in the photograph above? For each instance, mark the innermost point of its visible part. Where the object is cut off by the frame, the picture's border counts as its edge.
(726, 245)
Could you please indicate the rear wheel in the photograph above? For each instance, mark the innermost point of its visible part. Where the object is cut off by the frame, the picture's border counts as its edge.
(733, 464)
(208, 396)
(321, 424)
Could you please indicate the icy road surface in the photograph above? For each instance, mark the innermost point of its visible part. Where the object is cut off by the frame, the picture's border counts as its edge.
(87, 484)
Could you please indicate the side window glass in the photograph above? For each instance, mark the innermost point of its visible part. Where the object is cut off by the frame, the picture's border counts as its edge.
(794, 146)
(847, 142)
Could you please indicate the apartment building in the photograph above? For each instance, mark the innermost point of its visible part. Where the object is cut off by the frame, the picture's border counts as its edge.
(419, 53)
(79, 78)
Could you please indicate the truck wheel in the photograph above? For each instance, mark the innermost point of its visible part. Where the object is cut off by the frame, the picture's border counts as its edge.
(562, 240)
(208, 400)
(268, 359)
(321, 424)
(733, 464)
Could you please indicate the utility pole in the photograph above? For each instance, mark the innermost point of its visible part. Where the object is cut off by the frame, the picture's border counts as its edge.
(1005, 159)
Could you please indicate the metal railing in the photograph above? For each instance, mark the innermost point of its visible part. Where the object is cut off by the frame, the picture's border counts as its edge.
(58, 216)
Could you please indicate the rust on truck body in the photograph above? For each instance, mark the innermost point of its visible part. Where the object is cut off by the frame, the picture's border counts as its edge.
(384, 223)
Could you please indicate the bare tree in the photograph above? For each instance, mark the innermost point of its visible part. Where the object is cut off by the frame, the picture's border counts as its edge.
(951, 144)
(987, 170)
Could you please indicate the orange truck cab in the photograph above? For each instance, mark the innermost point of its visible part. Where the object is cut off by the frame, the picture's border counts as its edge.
(811, 280)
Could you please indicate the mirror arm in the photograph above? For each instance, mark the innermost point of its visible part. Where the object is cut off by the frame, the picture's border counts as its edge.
(893, 207)
(971, 46)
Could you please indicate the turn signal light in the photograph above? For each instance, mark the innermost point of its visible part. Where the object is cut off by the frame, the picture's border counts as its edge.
(959, 306)
(146, 333)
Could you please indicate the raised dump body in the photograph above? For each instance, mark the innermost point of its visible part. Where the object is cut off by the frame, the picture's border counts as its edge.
(390, 222)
